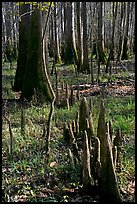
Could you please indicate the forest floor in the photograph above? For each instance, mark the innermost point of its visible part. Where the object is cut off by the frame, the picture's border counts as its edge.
(24, 177)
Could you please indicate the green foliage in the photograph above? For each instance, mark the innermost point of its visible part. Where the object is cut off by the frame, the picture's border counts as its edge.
(45, 5)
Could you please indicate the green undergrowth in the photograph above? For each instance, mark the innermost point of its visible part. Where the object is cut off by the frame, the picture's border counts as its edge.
(24, 176)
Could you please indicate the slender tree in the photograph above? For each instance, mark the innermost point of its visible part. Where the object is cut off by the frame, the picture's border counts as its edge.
(85, 67)
(126, 36)
(121, 30)
(100, 41)
(79, 40)
(57, 49)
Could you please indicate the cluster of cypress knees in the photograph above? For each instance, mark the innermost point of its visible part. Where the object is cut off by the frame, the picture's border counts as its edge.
(99, 154)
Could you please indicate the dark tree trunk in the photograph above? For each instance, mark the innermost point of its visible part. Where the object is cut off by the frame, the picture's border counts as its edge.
(100, 43)
(24, 34)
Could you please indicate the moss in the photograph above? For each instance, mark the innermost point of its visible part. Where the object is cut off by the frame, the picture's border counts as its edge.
(35, 74)
(22, 58)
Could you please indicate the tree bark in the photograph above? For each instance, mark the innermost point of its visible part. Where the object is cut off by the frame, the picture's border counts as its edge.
(125, 54)
(57, 51)
(85, 67)
(24, 34)
(36, 66)
(100, 43)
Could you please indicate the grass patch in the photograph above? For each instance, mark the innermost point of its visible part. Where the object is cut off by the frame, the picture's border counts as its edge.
(24, 174)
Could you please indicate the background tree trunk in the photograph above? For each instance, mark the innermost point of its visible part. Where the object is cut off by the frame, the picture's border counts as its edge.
(126, 45)
(79, 40)
(85, 67)
(70, 50)
(121, 30)
(57, 51)
(100, 43)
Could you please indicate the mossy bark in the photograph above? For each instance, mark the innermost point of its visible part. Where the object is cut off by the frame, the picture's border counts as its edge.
(36, 75)
(108, 180)
(24, 34)
(101, 132)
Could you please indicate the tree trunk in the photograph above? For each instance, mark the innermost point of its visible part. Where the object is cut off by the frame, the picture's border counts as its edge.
(100, 43)
(24, 34)
(113, 30)
(85, 67)
(57, 52)
(112, 47)
(80, 58)
(121, 30)
(51, 38)
(70, 50)
(125, 54)
(36, 67)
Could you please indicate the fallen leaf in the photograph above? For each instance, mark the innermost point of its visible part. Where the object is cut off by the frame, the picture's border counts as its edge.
(52, 164)
(131, 187)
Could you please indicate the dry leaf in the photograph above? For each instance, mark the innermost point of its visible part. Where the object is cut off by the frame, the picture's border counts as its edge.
(131, 187)
(52, 164)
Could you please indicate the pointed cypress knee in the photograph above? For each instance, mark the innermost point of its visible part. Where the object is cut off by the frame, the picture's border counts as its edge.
(22, 121)
(86, 170)
(67, 91)
(114, 150)
(118, 144)
(108, 180)
(110, 130)
(65, 103)
(83, 114)
(91, 104)
(73, 143)
(77, 124)
(101, 132)
(72, 97)
(62, 86)
(74, 128)
(96, 165)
